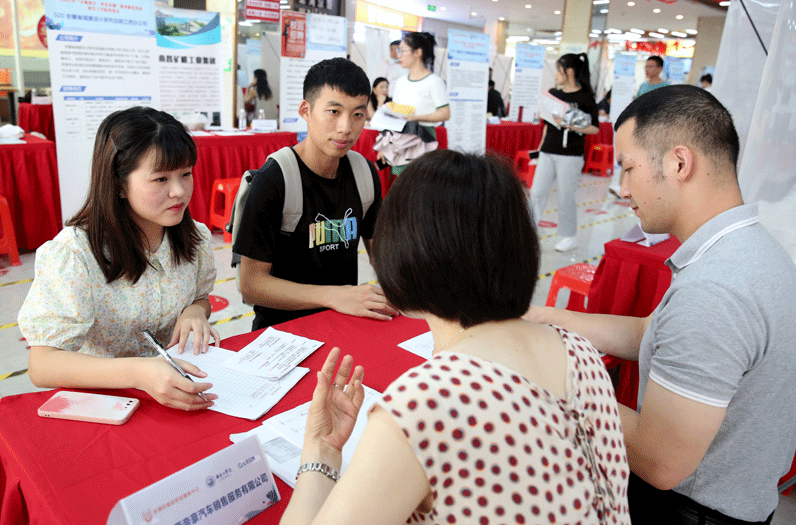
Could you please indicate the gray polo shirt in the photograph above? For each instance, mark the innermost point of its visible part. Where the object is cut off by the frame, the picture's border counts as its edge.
(724, 335)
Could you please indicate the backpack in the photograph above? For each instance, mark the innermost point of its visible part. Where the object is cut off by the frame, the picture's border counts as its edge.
(293, 207)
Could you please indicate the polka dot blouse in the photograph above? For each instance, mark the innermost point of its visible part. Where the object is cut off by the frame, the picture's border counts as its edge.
(499, 449)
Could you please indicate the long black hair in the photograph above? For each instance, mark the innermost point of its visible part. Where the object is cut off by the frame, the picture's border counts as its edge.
(373, 100)
(263, 89)
(580, 65)
(424, 41)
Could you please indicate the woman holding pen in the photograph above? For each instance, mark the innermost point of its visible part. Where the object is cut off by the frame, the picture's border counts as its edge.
(131, 259)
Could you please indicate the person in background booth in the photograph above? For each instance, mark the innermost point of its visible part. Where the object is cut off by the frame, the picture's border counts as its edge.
(131, 259)
(509, 421)
(494, 102)
(653, 70)
(715, 428)
(422, 90)
(706, 81)
(560, 159)
(378, 96)
(391, 69)
(257, 95)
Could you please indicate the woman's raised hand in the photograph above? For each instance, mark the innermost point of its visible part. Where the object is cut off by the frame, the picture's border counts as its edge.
(335, 402)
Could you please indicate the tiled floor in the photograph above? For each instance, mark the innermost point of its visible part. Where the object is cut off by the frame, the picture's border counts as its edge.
(601, 218)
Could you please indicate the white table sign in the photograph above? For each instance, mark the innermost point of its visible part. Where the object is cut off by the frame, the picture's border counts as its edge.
(231, 486)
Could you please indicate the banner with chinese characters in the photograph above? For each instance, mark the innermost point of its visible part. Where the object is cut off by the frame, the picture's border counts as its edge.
(266, 10)
(528, 71)
(107, 56)
(306, 40)
(468, 77)
(231, 486)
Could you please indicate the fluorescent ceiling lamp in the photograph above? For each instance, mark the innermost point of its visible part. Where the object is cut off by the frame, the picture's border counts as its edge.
(601, 2)
(556, 12)
(655, 35)
(603, 11)
(678, 33)
(656, 10)
(725, 3)
(660, 30)
(639, 31)
(679, 17)
(518, 39)
(631, 4)
(691, 31)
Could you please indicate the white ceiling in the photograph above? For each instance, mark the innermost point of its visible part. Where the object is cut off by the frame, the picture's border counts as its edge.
(541, 17)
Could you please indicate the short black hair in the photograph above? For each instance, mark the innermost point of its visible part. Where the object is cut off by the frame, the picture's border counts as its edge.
(683, 114)
(658, 60)
(337, 73)
(707, 78)
(491, 83)
(395, 43)
(454, 238)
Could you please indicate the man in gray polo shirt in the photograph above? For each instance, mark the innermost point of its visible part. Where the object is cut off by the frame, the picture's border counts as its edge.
(716, 425)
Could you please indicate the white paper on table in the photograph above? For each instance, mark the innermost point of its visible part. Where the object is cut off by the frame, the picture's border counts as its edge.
(239, 395)
(12, 141)
(421, 345)
(273, 354)
(383, 120)
(639, 236)
(282, 437)
(551, 107)
(230, 133)
(200, 133)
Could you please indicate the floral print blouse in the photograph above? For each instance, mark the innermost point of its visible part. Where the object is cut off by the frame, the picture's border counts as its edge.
(71, 307)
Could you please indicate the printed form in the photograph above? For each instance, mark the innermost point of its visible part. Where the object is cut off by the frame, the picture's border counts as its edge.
(239, 394)
(272, 355)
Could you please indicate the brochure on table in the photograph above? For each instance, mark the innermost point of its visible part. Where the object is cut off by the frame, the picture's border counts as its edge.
(282, 437)
(527, 87)
(231, 486)
(105, 57)
(468, 77)
(306, 40)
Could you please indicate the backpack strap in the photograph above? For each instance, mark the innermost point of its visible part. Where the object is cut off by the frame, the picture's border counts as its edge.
(293, 207)
(364, 179)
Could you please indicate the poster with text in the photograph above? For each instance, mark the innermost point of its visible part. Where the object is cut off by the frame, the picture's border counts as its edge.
(107, 56)
(329, 43)
(527, 87)
(265, 10)
(294, 34)
(624, 88)
(468, 75)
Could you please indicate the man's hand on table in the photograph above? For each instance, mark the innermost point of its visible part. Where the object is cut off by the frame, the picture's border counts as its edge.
(365, 300)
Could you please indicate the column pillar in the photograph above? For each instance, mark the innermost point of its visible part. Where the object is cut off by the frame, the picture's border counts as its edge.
(576, 26)
(706, 50)
(498, 32)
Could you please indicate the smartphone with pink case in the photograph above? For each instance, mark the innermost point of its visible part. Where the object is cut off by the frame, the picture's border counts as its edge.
(85, 406)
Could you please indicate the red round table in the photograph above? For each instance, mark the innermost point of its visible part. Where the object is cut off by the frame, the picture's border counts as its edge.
(37, 117)
(29, 180)
(631, 279)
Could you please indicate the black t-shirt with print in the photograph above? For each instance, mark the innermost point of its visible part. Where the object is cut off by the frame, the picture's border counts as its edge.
(323, 248)
(554, 138)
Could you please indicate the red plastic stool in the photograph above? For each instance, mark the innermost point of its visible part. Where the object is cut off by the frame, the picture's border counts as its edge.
(525, 167)
(575, 277)
(8, 242)
(220, 212)
(600, 158)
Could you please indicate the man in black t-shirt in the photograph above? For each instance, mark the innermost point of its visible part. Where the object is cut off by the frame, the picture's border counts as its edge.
(315, 267)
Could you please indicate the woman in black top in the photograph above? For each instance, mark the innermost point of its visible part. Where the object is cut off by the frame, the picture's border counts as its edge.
(378, 97)
(560, 160)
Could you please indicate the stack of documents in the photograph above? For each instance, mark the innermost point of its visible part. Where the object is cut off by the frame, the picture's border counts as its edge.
(250, 382)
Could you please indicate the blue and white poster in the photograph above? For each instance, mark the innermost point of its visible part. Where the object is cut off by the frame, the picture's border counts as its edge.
(624, 87)
(528, 71)
(107, 56)
(468, 75)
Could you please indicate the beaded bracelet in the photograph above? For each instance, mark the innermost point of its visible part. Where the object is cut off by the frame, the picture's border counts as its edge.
(323, 468)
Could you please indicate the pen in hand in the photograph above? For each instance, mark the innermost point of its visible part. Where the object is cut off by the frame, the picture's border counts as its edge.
(149, 336)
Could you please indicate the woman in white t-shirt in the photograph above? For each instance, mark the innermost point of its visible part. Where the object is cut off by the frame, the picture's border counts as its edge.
(421, 89)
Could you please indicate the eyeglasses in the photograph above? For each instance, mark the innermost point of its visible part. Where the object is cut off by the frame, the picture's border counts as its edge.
(401, 51)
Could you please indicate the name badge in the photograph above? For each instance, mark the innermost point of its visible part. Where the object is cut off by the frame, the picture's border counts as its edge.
(231, 486)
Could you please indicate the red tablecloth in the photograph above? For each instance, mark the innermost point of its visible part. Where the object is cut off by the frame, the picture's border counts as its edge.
(68, 472)
(37, 117)
(507, 138)
(630, 280)
(29, 180)
(365, 146)
(222, 157)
